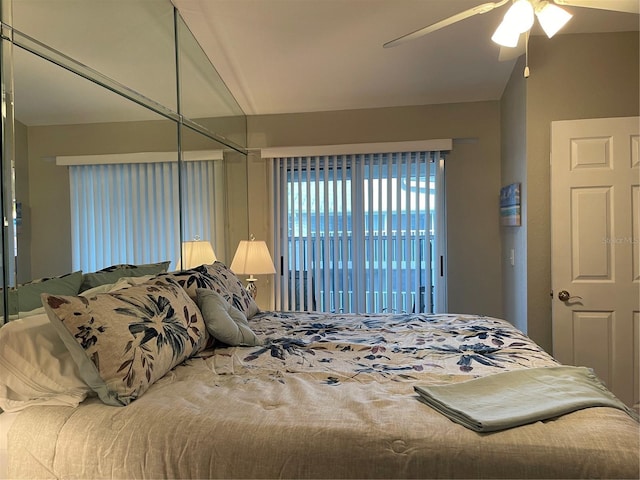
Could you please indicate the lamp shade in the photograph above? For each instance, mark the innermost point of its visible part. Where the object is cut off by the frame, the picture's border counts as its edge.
(520, 16)
(197, 252)
(252, 258)
(506, 36)
(518, 19)
(552, 18)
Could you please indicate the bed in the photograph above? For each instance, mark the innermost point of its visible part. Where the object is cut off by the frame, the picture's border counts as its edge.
(310, 395)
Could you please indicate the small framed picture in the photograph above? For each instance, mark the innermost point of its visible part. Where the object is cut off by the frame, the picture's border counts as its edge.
(510, 205)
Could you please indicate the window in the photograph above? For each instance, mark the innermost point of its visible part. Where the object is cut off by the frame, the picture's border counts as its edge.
(129, 212)
(360, 233)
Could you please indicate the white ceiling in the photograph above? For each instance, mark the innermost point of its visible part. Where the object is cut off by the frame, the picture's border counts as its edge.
(276, 56)
(283, 56)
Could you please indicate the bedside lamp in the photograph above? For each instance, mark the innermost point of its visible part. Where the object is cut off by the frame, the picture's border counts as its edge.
(252, 258)
(196, 253)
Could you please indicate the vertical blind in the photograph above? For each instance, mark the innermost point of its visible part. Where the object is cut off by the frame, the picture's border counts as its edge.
(129, 213)
(203, 206)
(354, 233)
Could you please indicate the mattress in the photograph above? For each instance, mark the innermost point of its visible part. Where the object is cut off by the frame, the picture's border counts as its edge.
(325, 396)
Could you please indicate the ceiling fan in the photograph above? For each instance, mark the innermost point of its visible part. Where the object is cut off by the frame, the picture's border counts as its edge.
(520, 17)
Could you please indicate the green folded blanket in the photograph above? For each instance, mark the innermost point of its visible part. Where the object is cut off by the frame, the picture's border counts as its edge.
(509, 399)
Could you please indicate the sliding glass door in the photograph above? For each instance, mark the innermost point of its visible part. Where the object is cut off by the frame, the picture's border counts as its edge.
(360, 233)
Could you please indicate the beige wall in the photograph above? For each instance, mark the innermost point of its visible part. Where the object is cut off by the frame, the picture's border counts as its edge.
(237, 224)
(260, 220)
(472, 179)
(514, 170)
(572, 77)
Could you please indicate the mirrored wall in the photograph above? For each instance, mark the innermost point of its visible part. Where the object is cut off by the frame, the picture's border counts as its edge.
(119, 140)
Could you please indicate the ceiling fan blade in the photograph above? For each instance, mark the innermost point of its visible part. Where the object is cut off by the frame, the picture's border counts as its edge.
(507, 53)
(484, 8)
(629, 6)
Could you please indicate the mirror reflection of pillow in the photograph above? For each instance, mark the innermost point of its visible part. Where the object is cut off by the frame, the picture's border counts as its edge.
(113, 273)
(225, 322)
(124, 282)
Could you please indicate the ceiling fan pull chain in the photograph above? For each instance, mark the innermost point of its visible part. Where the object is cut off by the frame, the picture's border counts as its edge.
(526, 55)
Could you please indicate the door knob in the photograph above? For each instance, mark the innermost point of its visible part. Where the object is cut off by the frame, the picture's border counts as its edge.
(566, 296)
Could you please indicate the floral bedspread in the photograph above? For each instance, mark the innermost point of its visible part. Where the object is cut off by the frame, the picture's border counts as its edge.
(324, 396)
(406, 347)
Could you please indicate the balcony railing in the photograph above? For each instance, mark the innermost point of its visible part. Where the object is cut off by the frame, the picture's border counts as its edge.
(376, 272)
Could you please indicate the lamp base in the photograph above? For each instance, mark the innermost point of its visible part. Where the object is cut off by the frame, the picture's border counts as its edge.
(251, 287)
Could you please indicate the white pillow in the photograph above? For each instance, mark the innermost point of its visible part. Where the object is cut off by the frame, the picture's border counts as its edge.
(124, 282)
(30, 313)
(36, 368)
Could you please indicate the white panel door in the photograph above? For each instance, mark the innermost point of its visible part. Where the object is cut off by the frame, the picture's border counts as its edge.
(595, 235)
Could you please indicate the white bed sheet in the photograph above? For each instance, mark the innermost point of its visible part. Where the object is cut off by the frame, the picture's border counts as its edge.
(6, 420)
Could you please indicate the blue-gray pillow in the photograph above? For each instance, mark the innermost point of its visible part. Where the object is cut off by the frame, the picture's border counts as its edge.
(225, 322)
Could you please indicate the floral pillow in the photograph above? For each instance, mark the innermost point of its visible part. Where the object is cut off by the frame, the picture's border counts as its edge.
(126, 340)
(220, 279)
(190, 280)
(236, 293)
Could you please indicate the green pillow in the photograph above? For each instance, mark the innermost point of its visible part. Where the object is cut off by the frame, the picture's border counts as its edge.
(26, 297)
(115, 272)
(224, 321)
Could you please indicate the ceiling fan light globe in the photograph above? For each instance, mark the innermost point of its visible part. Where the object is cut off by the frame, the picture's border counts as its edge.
(520, 16)
(506, 36)
(552, 18)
